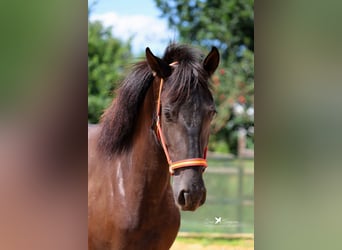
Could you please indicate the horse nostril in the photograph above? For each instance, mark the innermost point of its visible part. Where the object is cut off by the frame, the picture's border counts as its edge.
(181, 197)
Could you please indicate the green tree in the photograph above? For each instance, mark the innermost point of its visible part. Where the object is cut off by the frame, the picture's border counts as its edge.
(106, 59)
(228, 25)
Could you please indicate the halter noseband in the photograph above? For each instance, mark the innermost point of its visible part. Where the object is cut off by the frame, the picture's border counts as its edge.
(192, 162)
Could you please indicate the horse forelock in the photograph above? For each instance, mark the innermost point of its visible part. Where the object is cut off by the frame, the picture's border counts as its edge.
(187, 75)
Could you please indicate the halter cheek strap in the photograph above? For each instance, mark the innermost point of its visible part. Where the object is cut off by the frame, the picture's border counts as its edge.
(192, 162)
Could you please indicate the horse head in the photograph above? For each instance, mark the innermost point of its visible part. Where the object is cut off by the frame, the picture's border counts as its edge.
(184, 110)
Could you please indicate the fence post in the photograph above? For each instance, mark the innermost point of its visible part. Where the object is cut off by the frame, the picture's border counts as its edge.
(240, 198)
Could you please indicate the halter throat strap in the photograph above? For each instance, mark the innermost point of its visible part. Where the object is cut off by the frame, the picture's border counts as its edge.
(192, 162)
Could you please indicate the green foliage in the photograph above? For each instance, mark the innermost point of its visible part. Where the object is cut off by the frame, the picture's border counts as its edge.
(228, 25)
(106, 57)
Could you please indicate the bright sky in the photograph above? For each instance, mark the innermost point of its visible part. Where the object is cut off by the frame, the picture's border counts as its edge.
(139, 19)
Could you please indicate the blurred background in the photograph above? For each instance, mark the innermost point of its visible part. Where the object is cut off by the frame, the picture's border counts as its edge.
(119, 32)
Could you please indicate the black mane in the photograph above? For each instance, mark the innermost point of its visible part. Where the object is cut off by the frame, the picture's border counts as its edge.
(118, 121)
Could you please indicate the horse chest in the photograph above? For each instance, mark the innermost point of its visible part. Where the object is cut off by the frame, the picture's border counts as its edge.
(143, 231)
(120, 224)
(157, 232)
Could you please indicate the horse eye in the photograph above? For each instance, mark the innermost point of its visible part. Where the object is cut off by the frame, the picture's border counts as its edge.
(167, 114)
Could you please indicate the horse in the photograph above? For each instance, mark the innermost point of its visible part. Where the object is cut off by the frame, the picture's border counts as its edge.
(157, 126)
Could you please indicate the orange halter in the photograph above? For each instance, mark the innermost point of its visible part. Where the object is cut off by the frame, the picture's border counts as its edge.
(193, 162)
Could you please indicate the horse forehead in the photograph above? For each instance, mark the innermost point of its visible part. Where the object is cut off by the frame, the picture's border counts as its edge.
(191, 112)
(196, 101)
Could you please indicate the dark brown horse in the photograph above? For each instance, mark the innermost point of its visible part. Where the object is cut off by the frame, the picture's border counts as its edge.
(159, 123)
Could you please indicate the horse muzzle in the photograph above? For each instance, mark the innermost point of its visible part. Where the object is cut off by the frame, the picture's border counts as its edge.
(189, 199)
(189, 182)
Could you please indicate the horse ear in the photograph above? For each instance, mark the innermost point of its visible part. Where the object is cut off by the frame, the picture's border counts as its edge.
(212, 60)
(157, 65)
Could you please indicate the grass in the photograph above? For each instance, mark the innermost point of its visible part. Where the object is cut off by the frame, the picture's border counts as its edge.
(207, 243)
